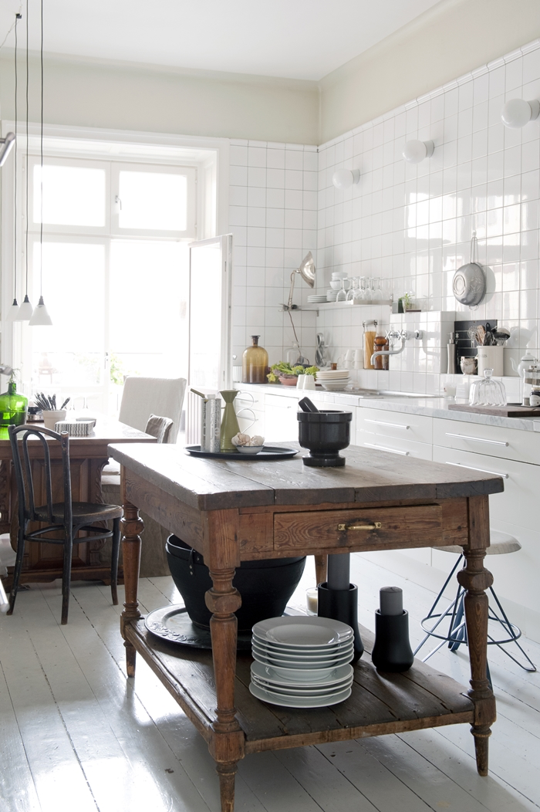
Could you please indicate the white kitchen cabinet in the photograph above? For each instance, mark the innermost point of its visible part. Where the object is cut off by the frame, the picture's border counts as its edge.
(397, 432)
(493, 441)
(515, 511)
(280, 422)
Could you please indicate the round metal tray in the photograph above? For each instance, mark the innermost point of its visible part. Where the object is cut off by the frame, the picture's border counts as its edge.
(269, 452)
(172, 623)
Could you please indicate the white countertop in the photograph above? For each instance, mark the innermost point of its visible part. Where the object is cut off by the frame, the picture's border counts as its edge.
(428, 406)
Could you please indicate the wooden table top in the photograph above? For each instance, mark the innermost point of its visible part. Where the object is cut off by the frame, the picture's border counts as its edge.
(105, 431)
(368, 476)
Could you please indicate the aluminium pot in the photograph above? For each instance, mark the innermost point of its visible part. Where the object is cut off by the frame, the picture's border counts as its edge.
(265, 586)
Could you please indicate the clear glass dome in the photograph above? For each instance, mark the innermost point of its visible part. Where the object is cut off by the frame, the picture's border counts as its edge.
(487, 392)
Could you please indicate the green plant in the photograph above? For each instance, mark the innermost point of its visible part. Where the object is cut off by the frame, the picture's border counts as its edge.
(283, 368)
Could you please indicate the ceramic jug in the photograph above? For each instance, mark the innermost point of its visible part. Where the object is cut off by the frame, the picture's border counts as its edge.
(229, 422)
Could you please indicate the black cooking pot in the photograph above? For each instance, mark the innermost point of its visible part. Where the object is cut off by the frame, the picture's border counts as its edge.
(325, 433)
(265, 586)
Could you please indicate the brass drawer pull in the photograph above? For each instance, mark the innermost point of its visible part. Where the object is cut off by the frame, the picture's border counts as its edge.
(372, 526)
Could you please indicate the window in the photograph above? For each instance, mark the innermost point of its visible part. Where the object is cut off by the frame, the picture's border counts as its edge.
(114, 266)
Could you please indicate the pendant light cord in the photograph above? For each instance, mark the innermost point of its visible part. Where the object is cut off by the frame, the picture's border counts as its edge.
(41, 164)
(17, 18)
(27, 155)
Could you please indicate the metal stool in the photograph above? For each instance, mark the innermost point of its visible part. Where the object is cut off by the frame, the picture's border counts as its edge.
(456, 633)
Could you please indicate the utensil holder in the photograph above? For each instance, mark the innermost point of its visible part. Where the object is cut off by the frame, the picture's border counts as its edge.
(342, 604)
(392, 650)
(490, 357)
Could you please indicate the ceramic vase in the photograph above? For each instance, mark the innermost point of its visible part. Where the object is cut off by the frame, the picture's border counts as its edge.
(229, 422)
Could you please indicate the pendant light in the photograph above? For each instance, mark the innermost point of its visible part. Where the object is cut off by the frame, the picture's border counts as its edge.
(14, 309)
(40, 317)
(26, 309)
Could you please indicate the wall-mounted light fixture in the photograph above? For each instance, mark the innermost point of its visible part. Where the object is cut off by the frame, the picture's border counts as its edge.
(344, 178)
(518, 112)
(5, 147)
(415, 151)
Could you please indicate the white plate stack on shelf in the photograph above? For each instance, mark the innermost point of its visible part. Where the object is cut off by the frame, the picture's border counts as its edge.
(302, 662)
(316, 298)
(333, 380)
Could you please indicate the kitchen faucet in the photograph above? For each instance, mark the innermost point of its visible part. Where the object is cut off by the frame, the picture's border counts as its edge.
(403, 336)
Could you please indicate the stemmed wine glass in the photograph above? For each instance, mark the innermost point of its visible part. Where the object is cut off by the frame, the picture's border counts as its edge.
(342, 294)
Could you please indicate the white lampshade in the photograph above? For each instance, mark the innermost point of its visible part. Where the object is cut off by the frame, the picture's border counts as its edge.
(518, 112)
(40, 316)
(13, 311)
(416, 151)
(25, 310)
(344, 178)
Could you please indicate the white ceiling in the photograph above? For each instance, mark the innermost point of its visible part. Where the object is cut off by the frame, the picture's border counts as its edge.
(300, 39)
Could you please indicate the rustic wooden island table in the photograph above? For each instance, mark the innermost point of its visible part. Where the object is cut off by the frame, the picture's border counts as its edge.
(232, 511)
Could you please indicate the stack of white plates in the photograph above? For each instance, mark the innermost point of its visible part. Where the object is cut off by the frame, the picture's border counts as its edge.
(316, 298)
(302, 662)
(333, 379)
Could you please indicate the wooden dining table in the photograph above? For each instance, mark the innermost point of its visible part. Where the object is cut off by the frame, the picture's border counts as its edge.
(88, 457)
(239, 510)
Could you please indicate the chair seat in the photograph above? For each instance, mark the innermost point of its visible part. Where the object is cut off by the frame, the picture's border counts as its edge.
(501, 544)
(83, 512)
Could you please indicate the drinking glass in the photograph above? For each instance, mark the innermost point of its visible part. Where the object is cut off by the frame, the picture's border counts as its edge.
(342, 294)
(352, 290)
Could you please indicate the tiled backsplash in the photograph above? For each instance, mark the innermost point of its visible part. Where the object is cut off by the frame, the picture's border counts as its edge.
(410, 223)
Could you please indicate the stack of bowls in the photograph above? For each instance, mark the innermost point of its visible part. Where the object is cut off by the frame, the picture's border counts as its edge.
(333, 380)
(302, 662)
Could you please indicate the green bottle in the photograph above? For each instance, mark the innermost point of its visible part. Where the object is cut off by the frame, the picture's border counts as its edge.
(229, 423)
(13, 409)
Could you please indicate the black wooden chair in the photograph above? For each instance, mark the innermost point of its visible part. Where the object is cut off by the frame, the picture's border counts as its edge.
(63, 518)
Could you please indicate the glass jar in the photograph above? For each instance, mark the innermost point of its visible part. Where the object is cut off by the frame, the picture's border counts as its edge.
(254, 363)
(487, 392)
(380, 343)
(13, 409)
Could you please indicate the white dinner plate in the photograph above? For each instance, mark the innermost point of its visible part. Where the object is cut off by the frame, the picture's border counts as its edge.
(266, 674)
(302, 632)
(284, 667)
(303, 675)
(302, 653)
(333, 373)
(286, 648)
(297, 701)
(295, 654)
(290, 690)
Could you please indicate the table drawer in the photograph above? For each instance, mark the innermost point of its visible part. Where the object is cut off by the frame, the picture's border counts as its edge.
(376, 528)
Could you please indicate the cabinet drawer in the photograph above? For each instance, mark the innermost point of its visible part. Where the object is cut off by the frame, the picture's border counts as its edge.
(397, 445)
(376, 528)
(492, 441)
(395, 425)
(518, 502)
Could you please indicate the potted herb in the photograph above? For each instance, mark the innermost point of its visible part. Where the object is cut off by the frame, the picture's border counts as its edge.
(287, 375)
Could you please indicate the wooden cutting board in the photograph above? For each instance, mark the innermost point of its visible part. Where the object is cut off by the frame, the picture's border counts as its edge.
(510, 410)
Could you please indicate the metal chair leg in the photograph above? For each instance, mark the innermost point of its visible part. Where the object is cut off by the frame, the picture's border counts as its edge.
(66, 577)
(17, 570)
(115, 552)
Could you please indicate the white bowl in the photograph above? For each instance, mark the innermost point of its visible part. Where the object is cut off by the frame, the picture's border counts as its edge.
(331, 295)
(335, 284)
(250, 449)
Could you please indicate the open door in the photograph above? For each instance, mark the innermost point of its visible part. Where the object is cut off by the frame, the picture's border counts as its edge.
(209, 356)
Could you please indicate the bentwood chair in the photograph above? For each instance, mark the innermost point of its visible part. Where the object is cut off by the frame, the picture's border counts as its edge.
(62, 518)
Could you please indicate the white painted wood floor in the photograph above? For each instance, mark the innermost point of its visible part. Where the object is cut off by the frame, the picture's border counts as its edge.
(77, 736)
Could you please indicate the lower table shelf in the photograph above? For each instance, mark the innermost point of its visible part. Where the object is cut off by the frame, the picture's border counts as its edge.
(380, 703)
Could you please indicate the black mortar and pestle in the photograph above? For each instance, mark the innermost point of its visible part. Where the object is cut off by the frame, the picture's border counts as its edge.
(324, 432)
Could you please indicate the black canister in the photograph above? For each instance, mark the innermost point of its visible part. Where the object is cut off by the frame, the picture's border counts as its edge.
(324, 433)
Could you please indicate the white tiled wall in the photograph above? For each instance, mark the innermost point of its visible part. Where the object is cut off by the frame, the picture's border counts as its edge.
(273, 216)
(408, 223)
(413, 223)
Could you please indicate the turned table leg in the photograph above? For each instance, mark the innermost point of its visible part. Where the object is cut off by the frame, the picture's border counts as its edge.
(132, 527)
(476, 579)
(227, 743)
(321, 564)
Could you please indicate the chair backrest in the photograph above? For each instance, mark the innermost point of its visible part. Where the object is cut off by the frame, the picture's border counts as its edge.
(159, 427)
(24, 474)
(143, 397)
